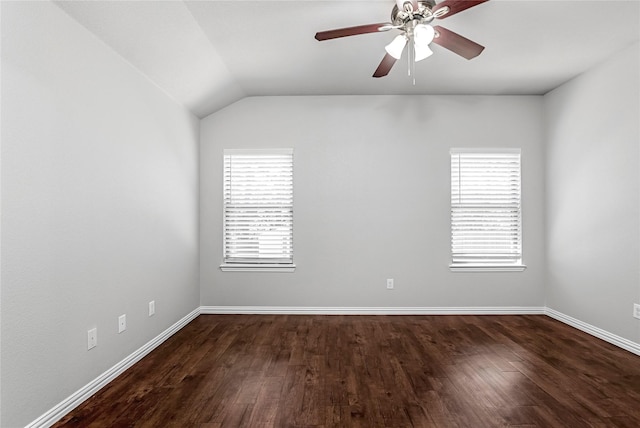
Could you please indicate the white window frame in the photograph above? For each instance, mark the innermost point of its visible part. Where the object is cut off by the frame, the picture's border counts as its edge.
(262, 262)
(493, 200)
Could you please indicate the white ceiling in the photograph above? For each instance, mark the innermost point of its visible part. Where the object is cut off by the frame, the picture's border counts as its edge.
(209, 54)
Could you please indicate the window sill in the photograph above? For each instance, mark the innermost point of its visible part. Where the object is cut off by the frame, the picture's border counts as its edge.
(247, 267)
(487, 268)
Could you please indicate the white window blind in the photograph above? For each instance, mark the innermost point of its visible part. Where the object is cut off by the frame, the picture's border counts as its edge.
(485, 208)
(258, 206)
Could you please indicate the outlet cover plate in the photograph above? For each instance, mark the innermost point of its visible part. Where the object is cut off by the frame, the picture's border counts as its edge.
(152, 307)
(92, 338)
(390, 284)
(636, 311)
(122, 323)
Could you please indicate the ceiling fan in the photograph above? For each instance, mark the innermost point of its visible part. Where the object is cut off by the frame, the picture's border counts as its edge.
(413, 19)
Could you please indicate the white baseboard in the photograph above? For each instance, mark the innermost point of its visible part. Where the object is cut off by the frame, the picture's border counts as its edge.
(77, 398)
(318, 310)
(620, 342)
(60, 410)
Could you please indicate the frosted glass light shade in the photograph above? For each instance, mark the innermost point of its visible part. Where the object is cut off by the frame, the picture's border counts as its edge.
(423, 35)
(422, 52)
(396, 46)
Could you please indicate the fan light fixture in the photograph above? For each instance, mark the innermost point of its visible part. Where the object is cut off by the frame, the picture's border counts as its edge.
(422, 36)
(396, 46)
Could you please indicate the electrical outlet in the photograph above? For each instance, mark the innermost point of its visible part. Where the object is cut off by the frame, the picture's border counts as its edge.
(636, 310)
(152, 307)
(122, 323)
(390, 284)
(92, 338)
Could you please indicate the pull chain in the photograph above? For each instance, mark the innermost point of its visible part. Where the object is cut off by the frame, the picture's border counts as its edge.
(409, 52)
(412, 62)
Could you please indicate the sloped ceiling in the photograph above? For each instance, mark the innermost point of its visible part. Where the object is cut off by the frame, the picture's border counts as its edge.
(209, 54)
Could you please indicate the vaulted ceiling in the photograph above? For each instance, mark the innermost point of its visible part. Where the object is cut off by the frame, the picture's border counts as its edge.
(209, 54)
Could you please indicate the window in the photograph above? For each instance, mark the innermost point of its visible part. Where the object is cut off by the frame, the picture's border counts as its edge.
(258, 210)
(486, 225)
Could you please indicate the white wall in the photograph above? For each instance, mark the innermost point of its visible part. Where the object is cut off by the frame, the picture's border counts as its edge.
(372, 177)
(593, 188)
(99, 208)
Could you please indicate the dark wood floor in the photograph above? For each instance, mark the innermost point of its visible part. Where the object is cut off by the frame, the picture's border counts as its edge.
(373, 371)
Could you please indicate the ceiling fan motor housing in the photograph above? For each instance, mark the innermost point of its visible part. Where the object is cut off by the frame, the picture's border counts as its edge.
(406, 15)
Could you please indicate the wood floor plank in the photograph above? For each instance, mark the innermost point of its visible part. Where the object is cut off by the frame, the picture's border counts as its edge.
(372, 371)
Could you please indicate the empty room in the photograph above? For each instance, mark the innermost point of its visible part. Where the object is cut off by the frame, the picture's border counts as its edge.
(314, 213)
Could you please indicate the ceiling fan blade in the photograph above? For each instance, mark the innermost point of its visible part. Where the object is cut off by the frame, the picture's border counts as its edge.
(456, 43)
(455, 6)
(385, 66)
(353, 31)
